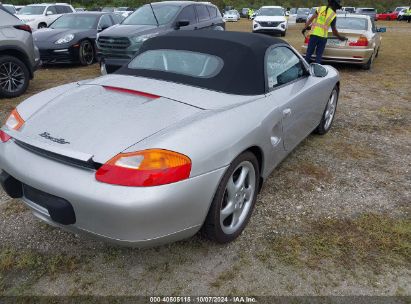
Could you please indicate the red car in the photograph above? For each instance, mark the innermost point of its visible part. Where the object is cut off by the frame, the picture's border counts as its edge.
(387, 16)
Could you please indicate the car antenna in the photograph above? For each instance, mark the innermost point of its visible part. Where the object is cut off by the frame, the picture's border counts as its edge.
(155, 17)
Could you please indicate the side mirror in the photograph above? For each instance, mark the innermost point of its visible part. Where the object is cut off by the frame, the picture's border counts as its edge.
(318, 70)
(381, 30)
(182, 23)
(49, 13)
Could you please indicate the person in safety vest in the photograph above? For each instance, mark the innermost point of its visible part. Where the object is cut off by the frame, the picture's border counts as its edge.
(408, 14)
(320, 22)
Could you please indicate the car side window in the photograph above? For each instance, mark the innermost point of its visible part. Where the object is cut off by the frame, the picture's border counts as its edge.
(188, 14)
(283, 66)
(105, 22)
(212, 10)
(51, 10)
(202, 13)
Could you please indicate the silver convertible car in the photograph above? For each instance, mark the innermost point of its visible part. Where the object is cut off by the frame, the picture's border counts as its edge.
(177, 141)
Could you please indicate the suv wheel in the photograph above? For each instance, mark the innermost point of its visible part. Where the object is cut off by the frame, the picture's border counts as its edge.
(14, 77)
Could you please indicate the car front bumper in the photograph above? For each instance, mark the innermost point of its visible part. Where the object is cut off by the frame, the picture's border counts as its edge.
(344, 55)
(265, 29)
(132, 216)
(59, 54)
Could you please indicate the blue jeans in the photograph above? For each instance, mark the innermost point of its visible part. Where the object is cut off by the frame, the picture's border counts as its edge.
(316, 44)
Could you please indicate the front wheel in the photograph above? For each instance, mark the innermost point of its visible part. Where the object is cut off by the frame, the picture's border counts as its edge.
(234, 200)
(86, 53)
(329, 113)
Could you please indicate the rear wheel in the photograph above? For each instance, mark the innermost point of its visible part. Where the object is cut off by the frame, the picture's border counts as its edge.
(234, 200)
(86, 53)
(368, 65)
(329, 113)
(14, 77)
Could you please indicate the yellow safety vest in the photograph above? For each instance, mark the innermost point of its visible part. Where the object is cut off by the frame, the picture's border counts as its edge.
(321, 25)
(408, 12)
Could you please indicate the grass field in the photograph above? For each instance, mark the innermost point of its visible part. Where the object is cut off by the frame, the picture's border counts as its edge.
(332, 219)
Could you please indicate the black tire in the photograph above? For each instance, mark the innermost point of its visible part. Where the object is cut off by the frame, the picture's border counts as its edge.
(42, 25)
(86, 53)
(378, 52)
(368, 65)
(16, 85)
(283, 34)
(324, 126)
(212, 228)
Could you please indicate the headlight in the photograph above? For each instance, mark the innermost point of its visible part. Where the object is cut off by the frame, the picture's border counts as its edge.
(65, 39)
(142, 38)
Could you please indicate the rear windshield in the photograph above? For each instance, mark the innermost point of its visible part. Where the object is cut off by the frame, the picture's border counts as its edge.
(188, 63)
(144, 15)
(32, 10)
(350, 23)
(367, 10)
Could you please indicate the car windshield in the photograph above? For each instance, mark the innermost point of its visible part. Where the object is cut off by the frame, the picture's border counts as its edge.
(231, 12)
(351, 23)
(10, 9)
(367, 10)
(188, 63)
(271, 11)
(303, 11)
(32, 10)
(75, 21)
(144, 15)
(399, 9)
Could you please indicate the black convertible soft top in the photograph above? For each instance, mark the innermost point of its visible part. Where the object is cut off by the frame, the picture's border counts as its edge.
(243, 55)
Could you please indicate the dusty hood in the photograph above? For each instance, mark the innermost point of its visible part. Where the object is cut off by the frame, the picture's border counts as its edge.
(95, 121)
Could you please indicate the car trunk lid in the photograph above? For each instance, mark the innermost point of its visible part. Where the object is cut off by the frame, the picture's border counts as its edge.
(100, 121)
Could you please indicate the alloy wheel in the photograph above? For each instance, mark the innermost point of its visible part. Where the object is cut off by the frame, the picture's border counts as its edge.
(87, 52)
(238, 197)
(12, 77)
(330, 111)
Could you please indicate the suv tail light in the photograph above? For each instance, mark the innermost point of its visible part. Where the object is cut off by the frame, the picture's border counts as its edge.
(14, 122)
(145, 168)
(23, 27)
(362, 41)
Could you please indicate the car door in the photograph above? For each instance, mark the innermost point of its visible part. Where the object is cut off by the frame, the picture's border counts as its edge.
(375, 37)
(204, 20)
(293, 92)
(216, 18)
(188, 14)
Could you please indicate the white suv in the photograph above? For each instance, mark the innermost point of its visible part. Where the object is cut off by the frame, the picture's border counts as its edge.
(42, 15)
(270, 19)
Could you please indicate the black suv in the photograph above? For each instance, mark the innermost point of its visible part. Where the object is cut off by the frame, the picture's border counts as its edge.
(119, 43)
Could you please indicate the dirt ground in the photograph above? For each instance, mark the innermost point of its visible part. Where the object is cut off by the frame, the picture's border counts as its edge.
(332, 219)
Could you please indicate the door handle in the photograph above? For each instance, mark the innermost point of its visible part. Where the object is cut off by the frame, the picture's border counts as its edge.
(286, 112)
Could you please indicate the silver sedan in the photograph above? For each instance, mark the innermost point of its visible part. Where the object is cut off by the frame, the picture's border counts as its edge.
(177, 141)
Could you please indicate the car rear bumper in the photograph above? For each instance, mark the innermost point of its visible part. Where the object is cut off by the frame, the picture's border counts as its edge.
(344, 55)
(134, 216)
